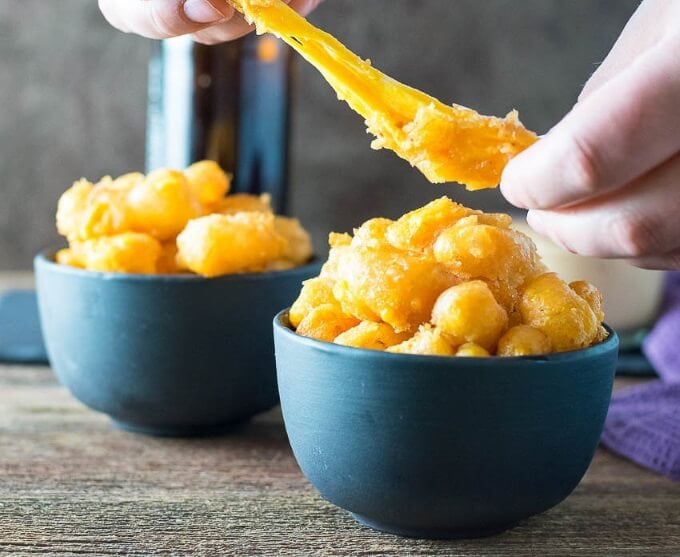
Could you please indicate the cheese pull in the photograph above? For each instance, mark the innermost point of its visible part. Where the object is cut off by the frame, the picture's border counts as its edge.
(446, 143)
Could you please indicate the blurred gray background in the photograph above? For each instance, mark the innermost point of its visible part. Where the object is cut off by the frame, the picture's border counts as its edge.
(73, 94)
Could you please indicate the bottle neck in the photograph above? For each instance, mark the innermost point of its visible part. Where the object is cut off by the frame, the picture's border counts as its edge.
(229, 103)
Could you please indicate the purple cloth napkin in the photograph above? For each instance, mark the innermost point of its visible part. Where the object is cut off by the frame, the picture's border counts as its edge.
(643, 423)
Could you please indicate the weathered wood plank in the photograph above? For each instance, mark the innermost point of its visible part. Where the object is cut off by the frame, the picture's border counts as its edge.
(71, 484)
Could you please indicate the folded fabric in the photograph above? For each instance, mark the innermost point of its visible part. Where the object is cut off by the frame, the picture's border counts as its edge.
(643, 423)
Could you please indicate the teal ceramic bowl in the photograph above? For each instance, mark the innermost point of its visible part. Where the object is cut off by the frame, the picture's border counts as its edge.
(165, 355)
(438, 447)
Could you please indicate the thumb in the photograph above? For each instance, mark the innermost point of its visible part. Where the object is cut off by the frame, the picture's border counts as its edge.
(162, 19)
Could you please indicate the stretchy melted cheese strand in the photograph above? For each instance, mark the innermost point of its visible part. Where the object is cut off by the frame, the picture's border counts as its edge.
(446, 143)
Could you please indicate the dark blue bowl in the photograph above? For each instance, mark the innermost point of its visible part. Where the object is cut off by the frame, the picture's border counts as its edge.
(165, 355)
(438, 447)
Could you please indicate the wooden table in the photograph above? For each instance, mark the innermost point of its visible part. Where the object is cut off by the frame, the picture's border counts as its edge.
(70, 484)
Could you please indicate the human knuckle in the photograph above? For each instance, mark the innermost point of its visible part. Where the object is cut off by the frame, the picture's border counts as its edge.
(206, 39)
(586, 164)
(166, 19)
(635, 235)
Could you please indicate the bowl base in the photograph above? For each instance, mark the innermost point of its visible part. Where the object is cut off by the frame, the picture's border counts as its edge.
(181, 431)
(436, 534)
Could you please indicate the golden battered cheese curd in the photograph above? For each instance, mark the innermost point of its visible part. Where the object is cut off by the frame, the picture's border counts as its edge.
(550, 305)
(389, 285)
(71, 206)
(167, 262)
(591, 295)
(428, 341)
(125, 182)
(502, 257)
(68, 257)
(488, 252)
(244, 202)
(418, 229)
(472, 350)
(88, 211)
(298, 249)
(523, 340)
(326, 322)
(339, 243)
(468, 312)
(217, 244)
(372, 233)
(461, 282)
(129, 252)
(315, 292)
(162, 204)
(371, 336)
(208, 182)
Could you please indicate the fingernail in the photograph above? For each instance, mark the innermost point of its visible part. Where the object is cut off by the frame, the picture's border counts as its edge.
(202, 11)
(535, 221)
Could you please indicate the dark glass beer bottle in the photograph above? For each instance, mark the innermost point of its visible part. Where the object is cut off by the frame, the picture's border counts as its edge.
(229, 103)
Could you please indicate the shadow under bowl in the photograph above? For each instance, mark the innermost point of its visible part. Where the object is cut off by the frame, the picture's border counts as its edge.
(441, 447)
(175, 355)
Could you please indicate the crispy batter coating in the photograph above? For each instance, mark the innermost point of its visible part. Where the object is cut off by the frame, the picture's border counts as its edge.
(371, 336)
(245, 202)
(472, 350)
(487, 252)
(468, 312)
(428, 341)
(72, 204)
(162, 204)
(208, 182)
(167, 262)
(390, 285)
(339, 244)
(315, 292)
(371, 233)
(298, 250)
(419, 229)
(458, 279)
(548, 304)
(129, 252)
(523, 340)
(502, 257)
(87, 211)
(67, 256)
(591, 295)
(326, 322)
(127, 181)
(222, 244)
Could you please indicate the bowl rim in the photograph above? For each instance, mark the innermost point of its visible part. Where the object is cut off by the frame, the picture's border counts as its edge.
(45, 258)
(282, 324)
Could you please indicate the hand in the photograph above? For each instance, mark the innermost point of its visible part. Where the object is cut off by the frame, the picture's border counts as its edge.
(605, 181)
(207, 21)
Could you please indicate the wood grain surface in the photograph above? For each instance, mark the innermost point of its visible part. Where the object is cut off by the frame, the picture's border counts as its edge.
(72, 484)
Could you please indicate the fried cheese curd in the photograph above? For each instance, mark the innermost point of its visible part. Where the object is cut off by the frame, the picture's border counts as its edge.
(445, 280)
(173, 221)
(446, 143)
